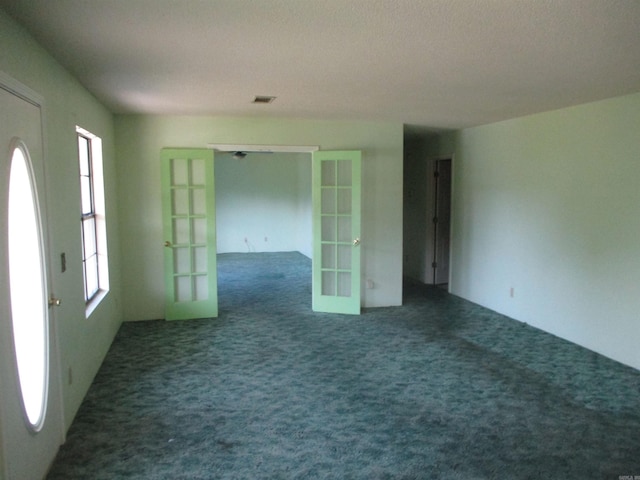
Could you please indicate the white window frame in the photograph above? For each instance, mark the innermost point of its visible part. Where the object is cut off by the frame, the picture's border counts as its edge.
(96, 203)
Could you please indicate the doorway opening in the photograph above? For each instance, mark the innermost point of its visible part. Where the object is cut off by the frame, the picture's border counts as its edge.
(441, 221)
(189, 223)
(263, 219)
(427, 216)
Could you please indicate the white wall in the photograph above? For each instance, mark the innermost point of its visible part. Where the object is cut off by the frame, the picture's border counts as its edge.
(139, 139)
(261, 203)
(82, 342)
(549, 205)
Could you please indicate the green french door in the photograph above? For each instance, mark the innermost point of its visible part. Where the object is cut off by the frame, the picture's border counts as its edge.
(336, 231)
(189, 225)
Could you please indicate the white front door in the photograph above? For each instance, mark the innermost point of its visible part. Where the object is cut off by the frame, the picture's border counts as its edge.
(31, 424)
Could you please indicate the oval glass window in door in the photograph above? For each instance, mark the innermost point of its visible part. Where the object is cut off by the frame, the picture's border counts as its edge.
(28, 290)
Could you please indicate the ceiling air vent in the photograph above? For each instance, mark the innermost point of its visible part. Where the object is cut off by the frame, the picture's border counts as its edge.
(263, 99)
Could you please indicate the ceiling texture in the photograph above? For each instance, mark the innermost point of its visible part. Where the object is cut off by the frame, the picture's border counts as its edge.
(431, 63)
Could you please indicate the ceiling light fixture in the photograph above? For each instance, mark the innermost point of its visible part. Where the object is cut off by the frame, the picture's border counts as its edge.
(239, 155)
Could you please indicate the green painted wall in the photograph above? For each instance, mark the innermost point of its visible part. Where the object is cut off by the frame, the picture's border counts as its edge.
(139, 139)
(83, 342)
(549, 205)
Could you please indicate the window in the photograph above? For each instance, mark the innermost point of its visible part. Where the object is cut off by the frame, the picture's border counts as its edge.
(94, 245)
(28, 287)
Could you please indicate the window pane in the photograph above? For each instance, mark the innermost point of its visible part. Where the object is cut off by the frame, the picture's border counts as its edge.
(180, 201)
(328, 256)
(182, 260)
(344, 172)
(198, 176)
(344, 201)
(328, 200)
(328, 173)
(179, 172)
(200, 259)
(344, 257)
(198, 202)
(328, 233)
(329, 283)
(181, 231)
(85, 192)
(183, 289)
(344, 229)
(89, 237)
(200, 231)
(83, 156)
(201, 284)
(91, 276)
(27, 289)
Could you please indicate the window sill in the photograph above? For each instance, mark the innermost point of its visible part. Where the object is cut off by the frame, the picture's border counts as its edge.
(95, 301)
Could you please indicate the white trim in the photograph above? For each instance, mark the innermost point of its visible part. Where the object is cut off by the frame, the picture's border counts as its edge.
(10, 84)
(94, 302)
(224, 147)
(99, 209)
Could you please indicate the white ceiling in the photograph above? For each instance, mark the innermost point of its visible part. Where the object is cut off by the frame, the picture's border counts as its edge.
(435, 63)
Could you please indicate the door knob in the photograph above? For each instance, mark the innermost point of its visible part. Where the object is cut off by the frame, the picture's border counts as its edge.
(167, 243)
(356, 242)
(54, 302)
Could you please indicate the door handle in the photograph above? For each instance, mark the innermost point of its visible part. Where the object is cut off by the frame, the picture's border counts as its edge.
(54, 302)
(167, 243)
(356, 242)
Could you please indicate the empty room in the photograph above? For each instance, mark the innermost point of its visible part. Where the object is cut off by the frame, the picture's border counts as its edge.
(297, 239)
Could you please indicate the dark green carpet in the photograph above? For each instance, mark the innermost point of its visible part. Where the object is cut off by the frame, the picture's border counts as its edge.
(438, 388)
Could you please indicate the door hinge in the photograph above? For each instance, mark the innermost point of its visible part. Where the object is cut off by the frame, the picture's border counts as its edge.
(434, 265)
